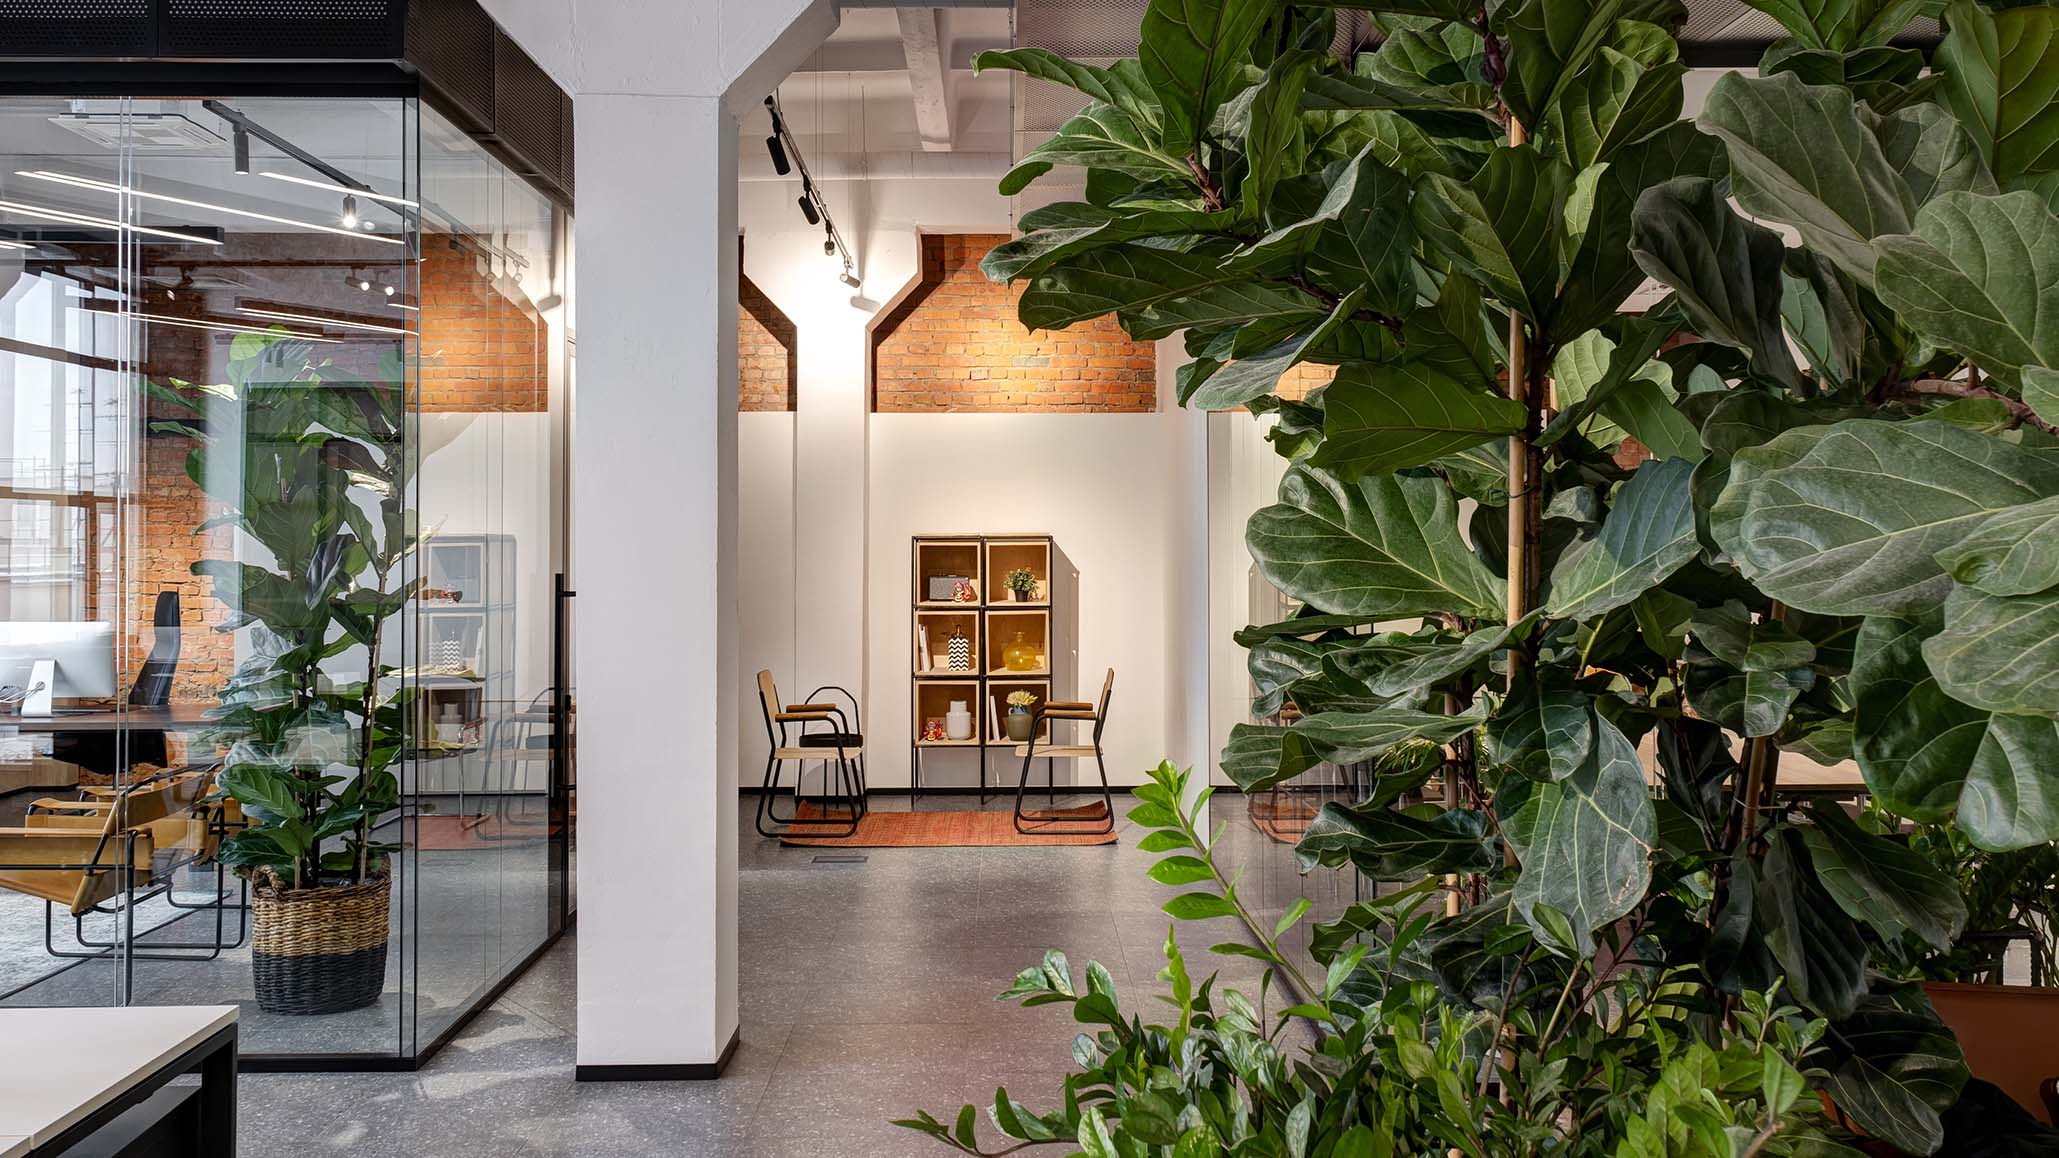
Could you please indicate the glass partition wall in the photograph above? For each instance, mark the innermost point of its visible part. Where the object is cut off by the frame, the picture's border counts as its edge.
(281, 427)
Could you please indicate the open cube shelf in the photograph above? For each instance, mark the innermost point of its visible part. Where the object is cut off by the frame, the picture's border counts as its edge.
(933, 632)
(941, 565)
(933, 700)
(1005, 629)
(997, 708)
(1005, 556)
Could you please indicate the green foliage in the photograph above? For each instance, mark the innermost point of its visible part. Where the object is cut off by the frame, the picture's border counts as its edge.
(1563, 1057)
(315, 474)
(1805, 504)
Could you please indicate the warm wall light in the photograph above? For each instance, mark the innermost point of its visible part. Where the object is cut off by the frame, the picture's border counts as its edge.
(107, 187)
(335, 188)
(70, 218)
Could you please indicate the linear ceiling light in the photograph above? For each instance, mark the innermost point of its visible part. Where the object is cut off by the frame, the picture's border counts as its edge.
(405, 306)
(206, 324)
(105, 187)
(14, 245)
(315, 319)
(333, 187)
(70, 218)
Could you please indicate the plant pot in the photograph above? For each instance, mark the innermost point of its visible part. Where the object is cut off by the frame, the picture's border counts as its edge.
(319, 950)
(1999, 1028)
(1021, 596)
(1019, 725)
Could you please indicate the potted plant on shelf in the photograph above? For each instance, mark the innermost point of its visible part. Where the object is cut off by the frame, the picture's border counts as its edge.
(1020, 716)
(1799, 508)
(1022, 584)
(316, 475)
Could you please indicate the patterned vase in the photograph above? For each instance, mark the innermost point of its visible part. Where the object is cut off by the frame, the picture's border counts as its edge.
(960, 652)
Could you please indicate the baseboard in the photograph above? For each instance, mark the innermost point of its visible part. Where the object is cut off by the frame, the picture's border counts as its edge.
(662, 1072)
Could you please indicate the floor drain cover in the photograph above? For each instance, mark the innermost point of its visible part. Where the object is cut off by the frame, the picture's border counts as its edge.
(840, 858)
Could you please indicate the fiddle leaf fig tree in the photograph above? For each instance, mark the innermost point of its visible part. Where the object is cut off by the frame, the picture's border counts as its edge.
(315, 474)
(1793, 504)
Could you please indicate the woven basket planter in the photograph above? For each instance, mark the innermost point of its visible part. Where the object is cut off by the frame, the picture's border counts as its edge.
(319, 950)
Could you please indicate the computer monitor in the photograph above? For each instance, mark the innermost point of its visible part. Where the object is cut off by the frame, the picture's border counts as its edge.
(80, 655)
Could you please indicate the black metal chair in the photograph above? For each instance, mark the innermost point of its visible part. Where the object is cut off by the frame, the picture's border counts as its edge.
(838, 745)
(1052, 822)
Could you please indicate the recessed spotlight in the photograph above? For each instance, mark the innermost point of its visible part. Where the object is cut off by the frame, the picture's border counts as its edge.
(387, 290)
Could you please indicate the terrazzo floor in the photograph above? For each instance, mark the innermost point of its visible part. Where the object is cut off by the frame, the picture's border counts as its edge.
(867, 991)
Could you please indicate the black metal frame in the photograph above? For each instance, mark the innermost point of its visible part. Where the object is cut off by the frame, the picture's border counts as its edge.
(1051, 823)
(850, 770)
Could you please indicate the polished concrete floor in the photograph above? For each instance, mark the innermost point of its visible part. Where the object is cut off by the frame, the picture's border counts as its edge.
(867, 992)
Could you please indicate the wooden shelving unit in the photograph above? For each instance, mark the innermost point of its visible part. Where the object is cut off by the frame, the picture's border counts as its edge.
(943, 570)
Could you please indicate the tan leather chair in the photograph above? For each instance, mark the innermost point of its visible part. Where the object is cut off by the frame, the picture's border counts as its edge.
(1051, 821)
(80, 853)
(837, 743)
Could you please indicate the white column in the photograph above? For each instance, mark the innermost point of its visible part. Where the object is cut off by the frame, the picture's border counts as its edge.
(655, 543)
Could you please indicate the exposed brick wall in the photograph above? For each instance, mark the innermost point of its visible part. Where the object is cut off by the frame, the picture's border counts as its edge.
(954, 344)
(480, 352)
(167, 509)
(767, 369)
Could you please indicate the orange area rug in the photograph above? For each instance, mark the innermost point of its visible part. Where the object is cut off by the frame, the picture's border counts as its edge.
(946, 830)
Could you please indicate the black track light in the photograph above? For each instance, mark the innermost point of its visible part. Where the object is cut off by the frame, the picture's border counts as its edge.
(239, 142)
(780, 164)
(808, 210)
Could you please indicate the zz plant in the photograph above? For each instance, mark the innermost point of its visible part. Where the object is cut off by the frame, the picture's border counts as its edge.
(1804, 503)
(315, 474)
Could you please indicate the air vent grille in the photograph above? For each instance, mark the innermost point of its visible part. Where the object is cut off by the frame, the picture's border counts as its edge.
(282, 29)
(76, 27)
(450, 42)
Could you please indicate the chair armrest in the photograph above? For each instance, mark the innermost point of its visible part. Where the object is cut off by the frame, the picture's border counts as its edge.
(811, 707)
(785, 717)
(52, 804)
(1067, 714)
(1069, 705)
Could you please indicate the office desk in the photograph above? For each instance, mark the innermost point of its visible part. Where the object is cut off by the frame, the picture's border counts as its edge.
(67, 1073)
(177, 718)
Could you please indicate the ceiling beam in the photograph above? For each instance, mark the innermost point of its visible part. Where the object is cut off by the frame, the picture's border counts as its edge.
(923, 50)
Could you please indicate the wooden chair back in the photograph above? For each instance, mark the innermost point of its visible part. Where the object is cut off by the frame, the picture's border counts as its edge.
(768, 703)
(72, 853)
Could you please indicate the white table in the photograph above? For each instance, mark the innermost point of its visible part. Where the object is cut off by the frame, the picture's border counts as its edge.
(65, 1073)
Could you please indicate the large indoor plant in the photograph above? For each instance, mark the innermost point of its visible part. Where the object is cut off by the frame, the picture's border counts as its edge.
(315, 473)
(1805, 503)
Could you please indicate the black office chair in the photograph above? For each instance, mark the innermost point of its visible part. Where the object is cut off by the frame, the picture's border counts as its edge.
(95, 751)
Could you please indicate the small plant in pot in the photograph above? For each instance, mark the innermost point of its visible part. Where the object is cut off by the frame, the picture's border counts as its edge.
(1022, 584)
(315, 475)
(1021, 715)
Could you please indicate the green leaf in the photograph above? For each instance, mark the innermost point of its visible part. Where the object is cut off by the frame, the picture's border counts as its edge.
(1357, 236)
(1382, 418)
(1724, 270)
(1648, 535)
(1924, 753)
(1550, 42)
(1819, 949)
(1288, 919)
(1246, 378)
(1881, 882)
(1193, 53)
(1999, 652)
(1929, 150)
(1391, 846)
(1166, 290)
(1773, 660)
(1842, 25)
(1588, 371)
(1180, 870)
(1267, 119)
(1501, 226)
(1122, 85)
(1849, 519)
(1585, 842)
(1259, 757)
(1544, 733)
(2001, 75)
(1445, 662)
(1058, 231)
(2041, 391)
(1602, 271)
(1614, 101)
(1896, 1070)
(1351, 737)
(1198, 907)
(1971, 278)
(2011, 552)
(1800, 154)
(1384, 547)
(1102, 138)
